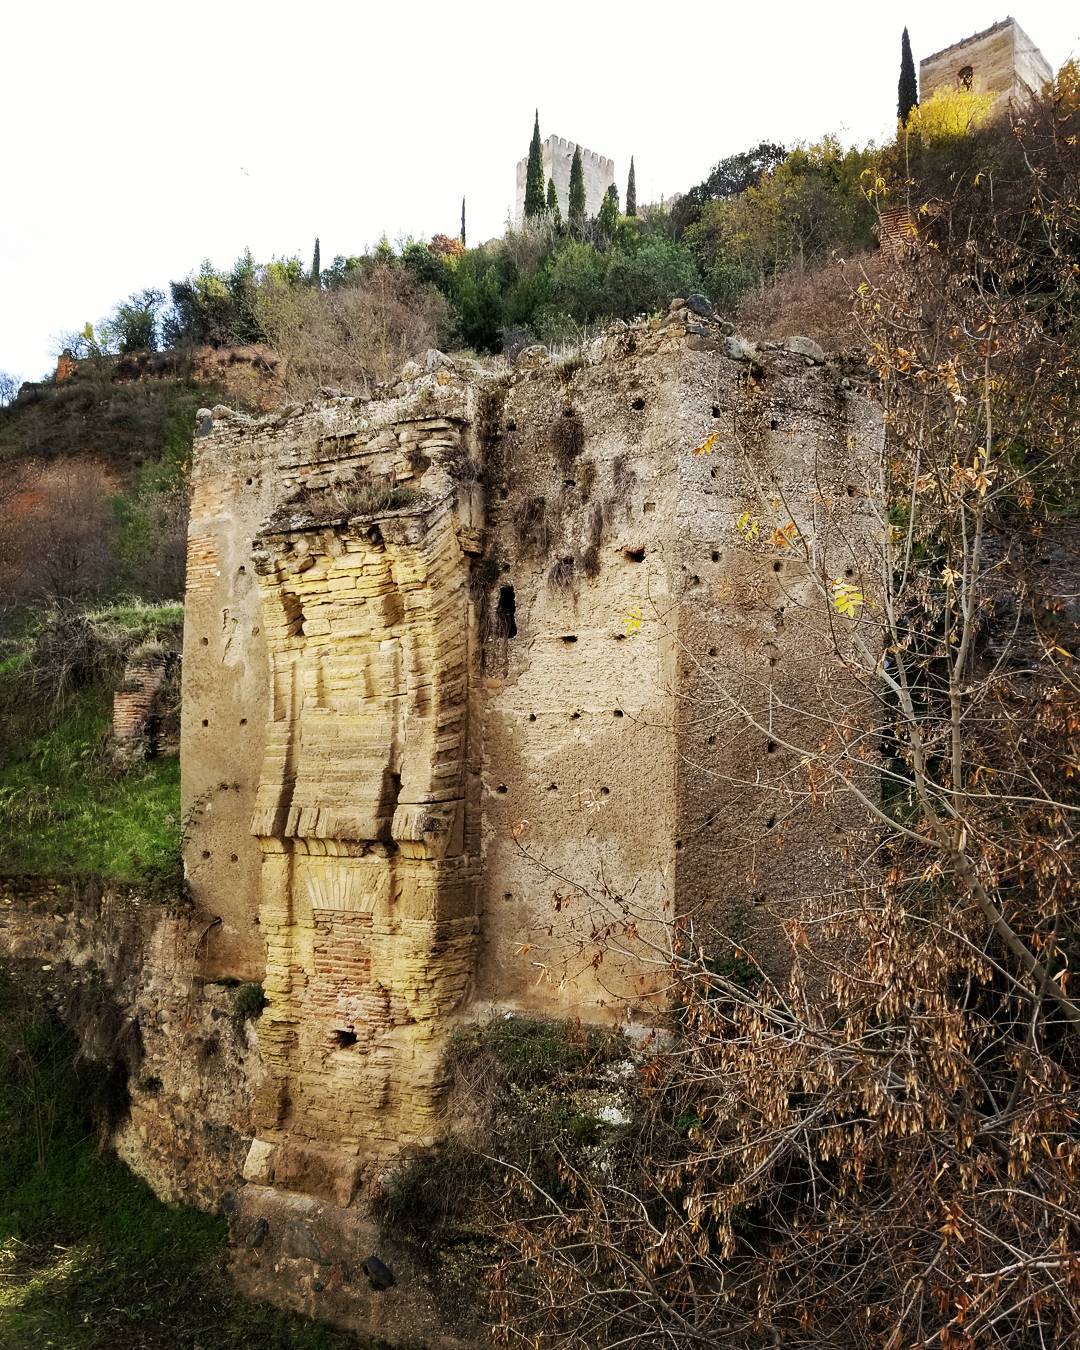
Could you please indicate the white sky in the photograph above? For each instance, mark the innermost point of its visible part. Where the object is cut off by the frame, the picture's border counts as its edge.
(143, 137)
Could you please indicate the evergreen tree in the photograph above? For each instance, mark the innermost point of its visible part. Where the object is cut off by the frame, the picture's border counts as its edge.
(316, 268)
(534, 175)
(576, 206)
(553, 203)
(908, 91)
(631, 191)
(608, 219)
(463, 222)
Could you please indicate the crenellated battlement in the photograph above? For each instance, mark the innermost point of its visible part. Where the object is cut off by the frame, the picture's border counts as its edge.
(558, 154)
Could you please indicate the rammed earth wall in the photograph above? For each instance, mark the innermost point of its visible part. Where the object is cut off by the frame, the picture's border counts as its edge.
(434, 746)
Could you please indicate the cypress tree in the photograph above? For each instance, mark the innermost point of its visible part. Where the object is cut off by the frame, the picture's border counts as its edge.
(534, 174)
(463, 222)
(631, 191)
(908, 90)
(576, 211)
(608, 218)
(316, 267)
(553, 203)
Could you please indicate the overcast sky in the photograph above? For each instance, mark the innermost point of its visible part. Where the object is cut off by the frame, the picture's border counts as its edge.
(141, 138)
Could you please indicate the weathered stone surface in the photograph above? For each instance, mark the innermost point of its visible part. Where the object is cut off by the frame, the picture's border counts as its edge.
(285, 1265)
(804, 346)
(320, 1172)
(532, 358)
(404, 728)
(419, 694)
(191, 1073)
(259, 1163)
(301, 1242)
(1001, 61)
(739, 348)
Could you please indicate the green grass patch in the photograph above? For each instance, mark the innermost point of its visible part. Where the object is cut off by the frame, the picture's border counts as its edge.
(65, 812)
(527, 1051)
(65, 809)
(89, 1258)
(143, 620)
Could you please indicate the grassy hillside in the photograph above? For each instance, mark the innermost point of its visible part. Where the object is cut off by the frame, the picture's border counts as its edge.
(65, 808)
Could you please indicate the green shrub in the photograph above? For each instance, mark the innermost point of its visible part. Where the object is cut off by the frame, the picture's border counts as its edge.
(646, 278)
(248, 1002)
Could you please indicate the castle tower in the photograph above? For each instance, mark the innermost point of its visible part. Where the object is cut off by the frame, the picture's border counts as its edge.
(558, 155)
(1001, 60)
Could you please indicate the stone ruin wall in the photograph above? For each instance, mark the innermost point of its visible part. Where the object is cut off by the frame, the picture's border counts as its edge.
(558, 154)
(126, 973)
(427, 754)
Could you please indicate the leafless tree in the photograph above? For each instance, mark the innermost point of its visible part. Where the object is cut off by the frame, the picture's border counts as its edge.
(60, 534)
(353, 337)
(878, 1147)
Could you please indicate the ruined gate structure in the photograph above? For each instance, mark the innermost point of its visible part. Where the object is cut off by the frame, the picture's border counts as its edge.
(450, 704)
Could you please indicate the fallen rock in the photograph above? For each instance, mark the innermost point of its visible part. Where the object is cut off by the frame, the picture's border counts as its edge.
(532, 358)
(700, 304)
(380, 1276)
(258, 1165)
(804, 346)
(437, 360)
(739, 349)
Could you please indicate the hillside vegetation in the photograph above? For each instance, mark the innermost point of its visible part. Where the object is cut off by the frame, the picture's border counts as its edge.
(67, 807)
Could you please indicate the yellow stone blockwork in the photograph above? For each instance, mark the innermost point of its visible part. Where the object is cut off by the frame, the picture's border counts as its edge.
(368, 894)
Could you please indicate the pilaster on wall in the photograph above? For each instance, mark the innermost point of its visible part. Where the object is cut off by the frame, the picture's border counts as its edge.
(243, 470)
(368, 906)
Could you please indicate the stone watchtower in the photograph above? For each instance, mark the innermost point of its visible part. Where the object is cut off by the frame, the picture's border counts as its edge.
(1001, 60)
(558, 155)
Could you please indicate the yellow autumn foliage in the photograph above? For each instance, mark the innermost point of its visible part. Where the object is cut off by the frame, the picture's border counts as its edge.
(950, 114)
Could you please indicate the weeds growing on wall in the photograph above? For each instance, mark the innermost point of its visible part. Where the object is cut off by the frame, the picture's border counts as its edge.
(364, 495)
